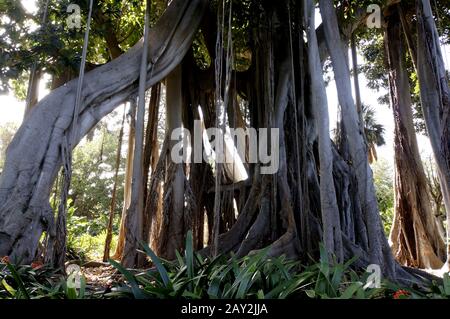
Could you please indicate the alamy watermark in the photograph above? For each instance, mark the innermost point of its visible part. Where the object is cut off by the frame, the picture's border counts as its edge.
(73, 276)
(374, 18)
(252, 146)
(73, 20)
(374, 279)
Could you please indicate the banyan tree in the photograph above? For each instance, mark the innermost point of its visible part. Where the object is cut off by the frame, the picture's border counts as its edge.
(261, 68)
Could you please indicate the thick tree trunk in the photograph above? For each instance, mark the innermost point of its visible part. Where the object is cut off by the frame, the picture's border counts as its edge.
(332, 236)
(415, 238)
(355, 138)
(173, 230)
(435, 98)
(33, 158)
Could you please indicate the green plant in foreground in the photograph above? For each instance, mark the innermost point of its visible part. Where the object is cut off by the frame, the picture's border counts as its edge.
(192, 276)
(434, 291)
(256, 276)
(41, 282)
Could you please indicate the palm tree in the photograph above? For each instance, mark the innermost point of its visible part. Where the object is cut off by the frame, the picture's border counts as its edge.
(373, 131)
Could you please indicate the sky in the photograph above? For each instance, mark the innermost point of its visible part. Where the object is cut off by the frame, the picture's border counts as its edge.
(11, 110)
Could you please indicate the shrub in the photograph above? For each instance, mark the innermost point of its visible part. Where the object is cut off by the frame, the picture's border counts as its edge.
(37, 282)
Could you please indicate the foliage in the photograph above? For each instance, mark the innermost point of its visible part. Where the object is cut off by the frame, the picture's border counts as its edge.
(192, 277)
(434, 291)
(373, 130)
(56, 47)
(7, 132)
(384, 187)
(82, 244)
(37, 282)
(89, 201)
(256, 276)
(93, 179)
(12, 31)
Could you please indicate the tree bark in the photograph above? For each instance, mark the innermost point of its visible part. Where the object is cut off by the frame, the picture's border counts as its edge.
(33, 158)
(134, 221)
(332, 237)
(415, 238)
(435, 98)
(355, 138)
(173, 230)
(109, 229)
(151, 151)
(33, 90)
(127, 183)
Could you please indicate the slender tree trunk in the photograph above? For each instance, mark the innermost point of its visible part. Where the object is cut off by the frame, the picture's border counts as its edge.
(106, 25)
(415, 237)
(356, 77)
(150, 153)
(134, 221)
(128, 177)
(33, 90)
(109, 229)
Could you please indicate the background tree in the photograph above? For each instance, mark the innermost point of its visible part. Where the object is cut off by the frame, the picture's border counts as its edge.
(7, 132)
(414, 236)
(383, 174)
(373, 131)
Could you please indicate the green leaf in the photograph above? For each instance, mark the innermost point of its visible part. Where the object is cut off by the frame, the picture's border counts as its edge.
(18, 280)
(337, 276)
(446, 280)
(324, 262)
(8, 288)
(130, 278)
(260, 294)
(349, 262)
(161, 269)
(310, 293)
(82, 293)
(351, 290)
(71, 293)
(179, 258)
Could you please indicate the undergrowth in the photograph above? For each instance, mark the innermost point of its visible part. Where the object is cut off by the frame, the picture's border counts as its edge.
(192, 276)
